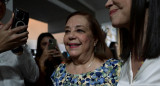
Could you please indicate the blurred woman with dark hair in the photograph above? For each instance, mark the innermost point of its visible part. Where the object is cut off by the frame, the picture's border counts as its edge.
(46, 58)
(139, 23)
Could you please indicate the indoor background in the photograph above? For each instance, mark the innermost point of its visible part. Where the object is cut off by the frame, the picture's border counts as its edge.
(50, 16)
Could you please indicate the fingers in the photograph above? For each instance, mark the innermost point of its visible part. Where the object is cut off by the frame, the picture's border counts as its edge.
(18, 42)
(23, 40)
(20, 37)
(19, 29)
(59, 55)
(54, 53)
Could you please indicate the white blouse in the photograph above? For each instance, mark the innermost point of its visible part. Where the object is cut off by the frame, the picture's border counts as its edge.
(148, 75)
(15, 69)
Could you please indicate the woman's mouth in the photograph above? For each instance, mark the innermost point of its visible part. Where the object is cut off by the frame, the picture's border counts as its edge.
(113, 11)
(73, 45)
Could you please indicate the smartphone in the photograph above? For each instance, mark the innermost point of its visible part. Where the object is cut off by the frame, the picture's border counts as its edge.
(21, 18)
(52, 44)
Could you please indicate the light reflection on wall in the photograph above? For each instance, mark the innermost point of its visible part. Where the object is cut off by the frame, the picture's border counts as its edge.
(35, 28)
(59, 38)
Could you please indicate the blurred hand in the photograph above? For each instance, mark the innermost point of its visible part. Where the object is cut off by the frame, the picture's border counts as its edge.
(8, 37)
(49, 54)
(57, 52)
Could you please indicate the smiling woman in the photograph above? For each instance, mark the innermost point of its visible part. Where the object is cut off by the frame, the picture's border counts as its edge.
(120, 12)
(139, 24)
(89, 62)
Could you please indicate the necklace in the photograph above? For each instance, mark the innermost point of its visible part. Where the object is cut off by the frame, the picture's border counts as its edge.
(90, 63)
(83, 71)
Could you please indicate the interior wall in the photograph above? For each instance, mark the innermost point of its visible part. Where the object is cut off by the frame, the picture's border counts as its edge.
(56, 26)
(35, 28)
(102, 16)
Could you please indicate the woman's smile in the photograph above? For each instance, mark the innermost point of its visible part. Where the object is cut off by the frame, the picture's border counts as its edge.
(74, 45)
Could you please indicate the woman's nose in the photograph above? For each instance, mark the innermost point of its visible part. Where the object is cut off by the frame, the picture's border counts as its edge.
(72, 36)
(109, 3)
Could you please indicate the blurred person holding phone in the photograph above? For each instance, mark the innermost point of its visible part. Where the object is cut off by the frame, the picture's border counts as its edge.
(15, 68)
(48, 57)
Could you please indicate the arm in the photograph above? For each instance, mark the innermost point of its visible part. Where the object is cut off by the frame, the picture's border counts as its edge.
(28, 66)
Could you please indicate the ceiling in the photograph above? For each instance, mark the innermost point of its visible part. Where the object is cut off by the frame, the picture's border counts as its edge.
(53, 10)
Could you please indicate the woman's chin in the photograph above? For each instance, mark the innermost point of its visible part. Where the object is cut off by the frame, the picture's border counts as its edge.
(117, 25)
(74, 55)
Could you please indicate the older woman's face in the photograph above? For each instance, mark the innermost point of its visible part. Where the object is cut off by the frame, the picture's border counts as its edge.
(119, 12)
(78, 38)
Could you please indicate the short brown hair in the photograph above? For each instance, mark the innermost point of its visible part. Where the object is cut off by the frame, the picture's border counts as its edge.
(100, 50)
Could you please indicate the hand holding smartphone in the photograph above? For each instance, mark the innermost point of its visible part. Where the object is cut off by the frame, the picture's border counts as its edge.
(21, 18)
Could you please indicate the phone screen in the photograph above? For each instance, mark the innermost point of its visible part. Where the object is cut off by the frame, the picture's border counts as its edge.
(52, 44)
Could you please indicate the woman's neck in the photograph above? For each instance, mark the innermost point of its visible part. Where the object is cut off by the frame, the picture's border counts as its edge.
(136, 63)
(84, 65)
(83, 59)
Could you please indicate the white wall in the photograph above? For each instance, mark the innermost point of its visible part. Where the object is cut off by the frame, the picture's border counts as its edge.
(35, 28)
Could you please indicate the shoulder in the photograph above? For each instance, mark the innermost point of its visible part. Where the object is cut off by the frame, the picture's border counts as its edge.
(59, 70)
(113, 64)
(111, 71)
(61, 67)
(7, 55)
(112, 61)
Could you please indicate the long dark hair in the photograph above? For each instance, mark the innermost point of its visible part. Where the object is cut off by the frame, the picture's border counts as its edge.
(41, 36)
(100, 49)
(49, 64)
(145, 45)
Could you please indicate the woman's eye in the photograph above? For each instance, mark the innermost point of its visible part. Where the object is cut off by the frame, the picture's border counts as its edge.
(80, 30)
(67, 31)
